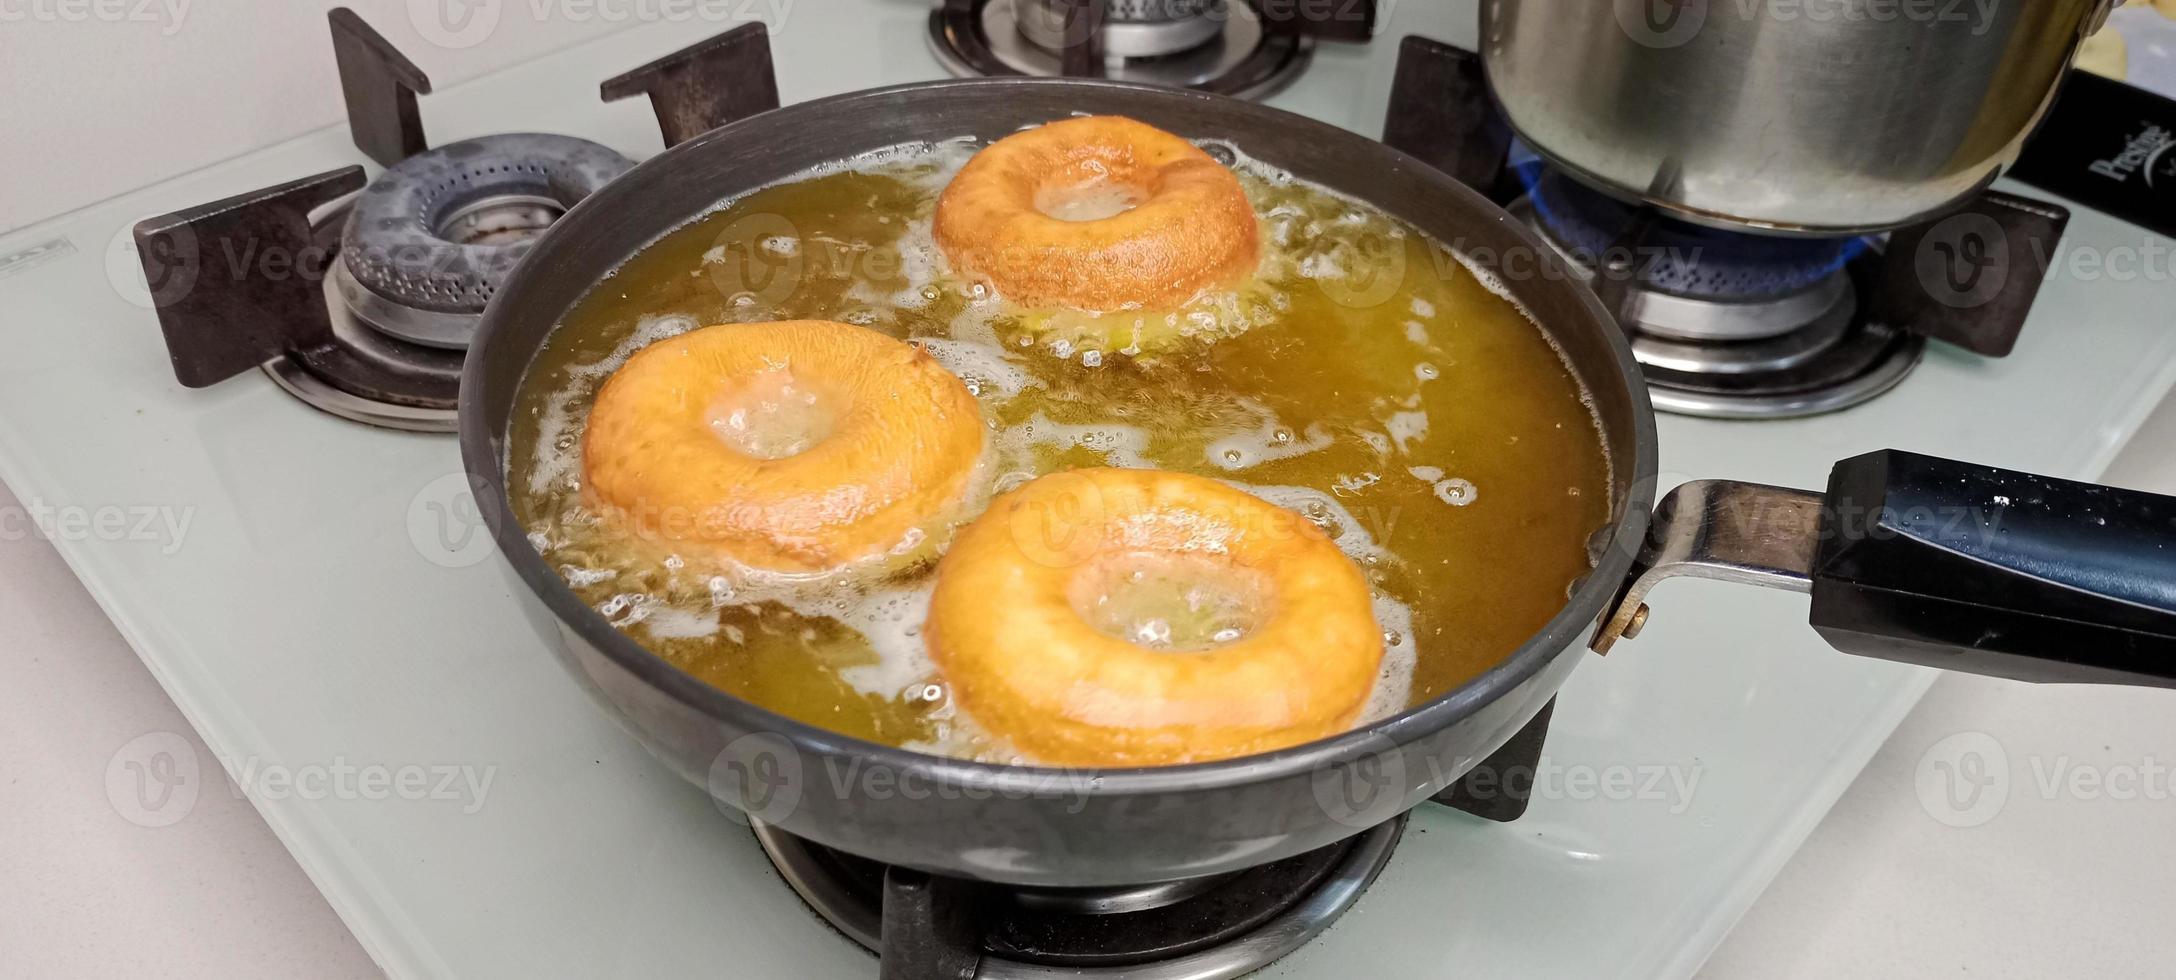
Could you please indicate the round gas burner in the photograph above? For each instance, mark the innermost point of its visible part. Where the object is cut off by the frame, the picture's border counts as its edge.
(431, 238)
(1867, 362)
(1731, 325)
(365, 374)
(1837, 359)
(1677, 257)
(415, 256)
(1221, 46)
(1206, 929)
(1132, 28)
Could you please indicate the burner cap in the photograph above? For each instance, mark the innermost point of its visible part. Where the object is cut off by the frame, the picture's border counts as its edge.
(1221, 46)
(432, 237)
(1131, 28)
(1682, 258)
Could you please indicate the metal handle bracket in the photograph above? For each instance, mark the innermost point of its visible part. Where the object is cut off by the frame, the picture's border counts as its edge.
(1724, 530)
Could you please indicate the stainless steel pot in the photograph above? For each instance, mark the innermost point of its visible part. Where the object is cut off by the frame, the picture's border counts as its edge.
(1804, 116)
(1049, 827)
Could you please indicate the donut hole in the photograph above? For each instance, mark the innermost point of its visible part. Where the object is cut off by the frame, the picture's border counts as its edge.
(1183, 602)
(1092, 190)
(773, 415)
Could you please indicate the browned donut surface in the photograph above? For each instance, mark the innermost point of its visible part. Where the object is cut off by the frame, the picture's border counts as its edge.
(1098, 213)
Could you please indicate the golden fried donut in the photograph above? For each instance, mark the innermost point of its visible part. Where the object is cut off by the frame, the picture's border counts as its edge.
(1029, 628)
(1099, 213)
(797, 446)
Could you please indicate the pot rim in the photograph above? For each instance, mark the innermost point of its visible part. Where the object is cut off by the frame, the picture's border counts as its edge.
(486, 468)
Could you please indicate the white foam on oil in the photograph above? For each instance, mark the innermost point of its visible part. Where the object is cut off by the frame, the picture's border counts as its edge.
(1393, 691)
(1407, 428)
(892, 621)
(1268, 442)
(1394, 683)
(667, 622)
(1119, 445)
(984, 367)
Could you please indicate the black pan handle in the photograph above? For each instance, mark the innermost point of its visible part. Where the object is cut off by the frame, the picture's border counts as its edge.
(1931, 561)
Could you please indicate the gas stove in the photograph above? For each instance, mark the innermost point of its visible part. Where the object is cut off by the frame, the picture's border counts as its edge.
(374, 329)
(1734, 321)
(390, 277)
(376, 628)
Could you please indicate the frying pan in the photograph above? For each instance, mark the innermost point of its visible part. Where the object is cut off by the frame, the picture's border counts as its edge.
(2074, 585)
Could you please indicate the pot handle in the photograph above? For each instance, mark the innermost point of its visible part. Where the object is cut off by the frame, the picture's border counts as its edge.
(1931, 561)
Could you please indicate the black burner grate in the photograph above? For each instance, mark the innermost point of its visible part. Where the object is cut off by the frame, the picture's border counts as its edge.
(925, 926)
